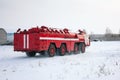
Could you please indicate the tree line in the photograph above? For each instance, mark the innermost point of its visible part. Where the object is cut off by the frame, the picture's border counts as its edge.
(108, 36)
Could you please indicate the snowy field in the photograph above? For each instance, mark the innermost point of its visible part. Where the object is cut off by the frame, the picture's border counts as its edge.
(100, 62)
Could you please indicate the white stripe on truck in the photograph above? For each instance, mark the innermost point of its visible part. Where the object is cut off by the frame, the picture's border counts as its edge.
(25, 41)
(54, 38)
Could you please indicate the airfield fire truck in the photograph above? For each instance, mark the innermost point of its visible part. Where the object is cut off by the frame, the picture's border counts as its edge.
(50, 40)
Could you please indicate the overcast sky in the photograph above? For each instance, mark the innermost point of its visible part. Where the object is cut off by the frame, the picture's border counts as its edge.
(92, 15)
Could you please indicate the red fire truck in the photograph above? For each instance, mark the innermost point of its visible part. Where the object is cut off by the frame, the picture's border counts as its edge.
(50, 40)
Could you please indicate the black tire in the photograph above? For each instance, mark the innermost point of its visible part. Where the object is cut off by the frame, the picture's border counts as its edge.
(82, 47)
(76, 49)
(30, 54)
(52, 50)
(62, 50)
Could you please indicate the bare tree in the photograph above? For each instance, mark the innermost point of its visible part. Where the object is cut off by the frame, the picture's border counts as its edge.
(108, 34)
(108, 31)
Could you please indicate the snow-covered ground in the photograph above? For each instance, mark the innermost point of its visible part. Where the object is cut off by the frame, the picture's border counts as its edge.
(100, 62)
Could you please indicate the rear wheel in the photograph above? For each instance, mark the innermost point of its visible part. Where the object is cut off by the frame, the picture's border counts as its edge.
(30, 54)
(76, 49)
(52, 50)
(62, 50)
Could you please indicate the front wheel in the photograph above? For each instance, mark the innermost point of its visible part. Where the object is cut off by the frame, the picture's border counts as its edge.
(82, 47)
(30, 54)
